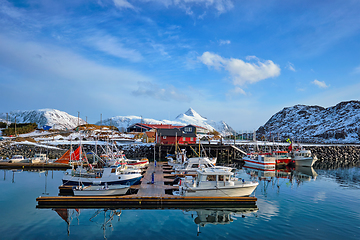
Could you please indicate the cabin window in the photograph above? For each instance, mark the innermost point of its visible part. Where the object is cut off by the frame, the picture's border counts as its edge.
(221, 177)
(113, 170)
(188, 129)
(210, 177)
(184, 138)
(195, 166)
(164, 137)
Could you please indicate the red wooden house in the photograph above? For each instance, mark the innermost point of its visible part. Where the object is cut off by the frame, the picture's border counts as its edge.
(171, 136)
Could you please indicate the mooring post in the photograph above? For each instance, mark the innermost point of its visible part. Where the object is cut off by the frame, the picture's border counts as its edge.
(159, 152)
(152, 177)
(228, 153)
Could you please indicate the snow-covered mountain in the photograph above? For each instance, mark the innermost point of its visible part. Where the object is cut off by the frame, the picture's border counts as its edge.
(192, 117)
(314, 123)
(51, 117)
(123, 122)
(189, 117)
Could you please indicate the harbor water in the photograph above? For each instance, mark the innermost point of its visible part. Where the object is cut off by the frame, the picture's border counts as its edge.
(292, 204)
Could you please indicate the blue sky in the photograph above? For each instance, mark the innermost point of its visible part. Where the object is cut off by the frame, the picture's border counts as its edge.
(236, 61)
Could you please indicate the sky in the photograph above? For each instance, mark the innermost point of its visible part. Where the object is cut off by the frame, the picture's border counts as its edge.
(238, 61)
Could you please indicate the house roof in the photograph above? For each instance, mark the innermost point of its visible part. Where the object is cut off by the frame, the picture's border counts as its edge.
(174, 132)
(156, 126)
(150, 134)
(193, 126)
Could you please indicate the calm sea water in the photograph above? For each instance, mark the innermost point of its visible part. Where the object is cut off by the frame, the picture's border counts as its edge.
(320, 204)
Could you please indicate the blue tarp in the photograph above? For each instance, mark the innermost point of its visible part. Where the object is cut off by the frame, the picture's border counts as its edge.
(45, 127)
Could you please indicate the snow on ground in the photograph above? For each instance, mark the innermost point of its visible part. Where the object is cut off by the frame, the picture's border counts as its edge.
(34, 144)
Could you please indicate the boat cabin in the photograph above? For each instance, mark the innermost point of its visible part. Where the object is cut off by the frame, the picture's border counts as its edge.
(213, 176)
(303, 153)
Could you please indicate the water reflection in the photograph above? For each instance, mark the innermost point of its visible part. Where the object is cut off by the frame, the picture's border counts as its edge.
(292, 177)
(216, 216)
(101, 217)
(348, 178)
(105, 217)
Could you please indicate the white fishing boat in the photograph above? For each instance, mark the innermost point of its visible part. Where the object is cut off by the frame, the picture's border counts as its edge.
(118, 157)
(260, 161)
(215, 182)
(138, 163)
(191, 165)
(304, 158)
(18, 159)
(113, 175)
(180, 158)
(39, 158)
(101, 190)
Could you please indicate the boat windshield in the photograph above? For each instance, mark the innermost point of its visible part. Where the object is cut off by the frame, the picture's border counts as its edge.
(211, 178)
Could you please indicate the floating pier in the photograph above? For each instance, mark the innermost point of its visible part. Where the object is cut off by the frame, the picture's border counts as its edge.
(152, 193)
(59, 166)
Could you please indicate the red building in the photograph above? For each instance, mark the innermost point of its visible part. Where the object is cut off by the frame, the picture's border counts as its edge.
(171, 136)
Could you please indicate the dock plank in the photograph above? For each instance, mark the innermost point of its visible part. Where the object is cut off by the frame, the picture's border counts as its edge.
(157, 189)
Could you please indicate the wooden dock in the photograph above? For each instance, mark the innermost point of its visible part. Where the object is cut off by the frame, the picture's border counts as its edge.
(151, 194)
(55, 166)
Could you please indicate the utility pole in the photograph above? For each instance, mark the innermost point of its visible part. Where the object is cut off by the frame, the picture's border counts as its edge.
(78, 118)
(15, 126)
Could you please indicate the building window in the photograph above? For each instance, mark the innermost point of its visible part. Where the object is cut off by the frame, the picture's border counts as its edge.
(164, 137)
(188, 129)
(184, 139)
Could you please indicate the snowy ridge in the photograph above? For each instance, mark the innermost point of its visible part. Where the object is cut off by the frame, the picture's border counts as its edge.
(123, 122)
(314, 123)
(62, 120)
(189, 117)
(55, 118)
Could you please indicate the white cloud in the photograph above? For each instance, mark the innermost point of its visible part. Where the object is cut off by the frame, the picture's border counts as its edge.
(357, 69)
(238, 90)
(123, 4)
(224, 42)
(320, 84)
(202, 16)
(48, 63)
(212, 60)
(242, 72)
(291, 67)
(221, 6)
(112, 46)
(155, 91)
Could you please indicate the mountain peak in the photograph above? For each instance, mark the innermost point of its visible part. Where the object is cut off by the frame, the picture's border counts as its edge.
(192, 113)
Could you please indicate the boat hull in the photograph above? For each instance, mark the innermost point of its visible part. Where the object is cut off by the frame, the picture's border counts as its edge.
(305, 162)
(219, 192)
(75, 181)
(257, 165)
(102, 191)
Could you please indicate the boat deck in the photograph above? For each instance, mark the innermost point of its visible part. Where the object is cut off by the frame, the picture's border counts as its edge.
(151, 194)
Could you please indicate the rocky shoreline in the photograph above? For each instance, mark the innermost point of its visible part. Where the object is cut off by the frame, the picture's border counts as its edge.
(28, 151)
(329, 157)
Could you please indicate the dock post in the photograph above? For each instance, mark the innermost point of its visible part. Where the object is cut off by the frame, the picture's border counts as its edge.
(152, 178)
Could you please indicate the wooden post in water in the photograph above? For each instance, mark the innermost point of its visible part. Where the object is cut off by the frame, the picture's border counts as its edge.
(228, 154)
(159, 153)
